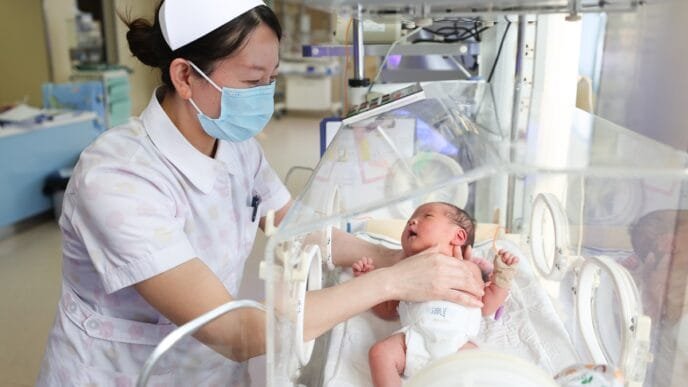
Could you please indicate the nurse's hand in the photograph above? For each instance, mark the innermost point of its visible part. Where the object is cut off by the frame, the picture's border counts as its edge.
(430, 275)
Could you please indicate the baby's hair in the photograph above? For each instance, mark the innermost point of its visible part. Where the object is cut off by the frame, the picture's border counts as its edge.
(463, 220)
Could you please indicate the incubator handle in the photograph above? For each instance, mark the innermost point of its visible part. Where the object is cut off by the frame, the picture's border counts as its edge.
(270, 227)
(188, 329)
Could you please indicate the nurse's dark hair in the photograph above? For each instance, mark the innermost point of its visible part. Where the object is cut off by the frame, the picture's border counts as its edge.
(148, 45)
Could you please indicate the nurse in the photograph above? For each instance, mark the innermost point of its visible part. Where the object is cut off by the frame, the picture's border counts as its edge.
(161, 214)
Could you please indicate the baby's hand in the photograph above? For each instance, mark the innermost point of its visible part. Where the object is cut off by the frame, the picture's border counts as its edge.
(506, 257)
(505, 269)
(362, 266)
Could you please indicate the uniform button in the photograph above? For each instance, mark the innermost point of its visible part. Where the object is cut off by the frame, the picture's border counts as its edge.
(93, 324)
(72, 307)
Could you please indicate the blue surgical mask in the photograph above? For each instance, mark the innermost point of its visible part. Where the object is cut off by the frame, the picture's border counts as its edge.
(243, 112)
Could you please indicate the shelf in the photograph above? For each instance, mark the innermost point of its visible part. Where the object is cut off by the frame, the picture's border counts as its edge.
(464, 7)
(417, 49)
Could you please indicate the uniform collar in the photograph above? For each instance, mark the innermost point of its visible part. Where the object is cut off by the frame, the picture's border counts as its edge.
(199, 169)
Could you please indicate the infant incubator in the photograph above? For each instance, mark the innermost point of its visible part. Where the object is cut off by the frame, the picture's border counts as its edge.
(580, 295)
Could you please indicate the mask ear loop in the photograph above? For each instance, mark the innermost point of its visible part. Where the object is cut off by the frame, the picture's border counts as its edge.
(195, 106)
(204, 76)
(207, 79)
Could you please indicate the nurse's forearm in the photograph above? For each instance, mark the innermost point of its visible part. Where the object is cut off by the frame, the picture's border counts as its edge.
(347, 249)
(191, 289)
(327, 307)
(239, 335)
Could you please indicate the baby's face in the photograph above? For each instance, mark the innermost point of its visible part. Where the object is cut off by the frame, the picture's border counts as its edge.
(428, 226)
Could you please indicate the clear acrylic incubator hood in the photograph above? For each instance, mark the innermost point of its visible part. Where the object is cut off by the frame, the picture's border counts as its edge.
(580, 201)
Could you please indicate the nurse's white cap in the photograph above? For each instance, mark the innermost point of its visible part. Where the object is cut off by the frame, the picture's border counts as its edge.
(183, 21)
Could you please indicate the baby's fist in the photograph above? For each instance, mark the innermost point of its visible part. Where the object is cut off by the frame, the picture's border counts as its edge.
(362, 266)
(507, 258)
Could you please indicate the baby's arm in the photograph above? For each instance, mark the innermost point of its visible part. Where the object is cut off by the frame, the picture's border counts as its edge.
(498, 289)
(386, 310)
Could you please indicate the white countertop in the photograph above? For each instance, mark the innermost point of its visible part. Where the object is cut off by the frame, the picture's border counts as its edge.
(63, 119)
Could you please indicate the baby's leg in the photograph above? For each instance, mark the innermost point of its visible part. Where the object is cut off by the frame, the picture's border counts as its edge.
(388, 360)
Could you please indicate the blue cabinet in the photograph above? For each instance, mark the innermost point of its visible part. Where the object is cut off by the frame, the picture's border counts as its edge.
(82, 96)
(116, 92)
(29, 155)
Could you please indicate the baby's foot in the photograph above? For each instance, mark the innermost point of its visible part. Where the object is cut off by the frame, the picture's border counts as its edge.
(362, 266)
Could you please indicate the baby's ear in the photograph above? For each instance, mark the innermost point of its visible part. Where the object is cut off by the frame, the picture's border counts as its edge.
(460, 237)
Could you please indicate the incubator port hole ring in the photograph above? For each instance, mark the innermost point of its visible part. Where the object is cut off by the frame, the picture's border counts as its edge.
(311, 259)
(549, 237)
(634, 327)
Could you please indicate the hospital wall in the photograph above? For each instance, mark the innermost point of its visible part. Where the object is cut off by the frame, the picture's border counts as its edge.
(24, 63)
(643, 83)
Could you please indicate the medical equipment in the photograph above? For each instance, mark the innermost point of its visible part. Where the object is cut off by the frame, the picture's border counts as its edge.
(574, 301)
(114, 97)
(449, 7)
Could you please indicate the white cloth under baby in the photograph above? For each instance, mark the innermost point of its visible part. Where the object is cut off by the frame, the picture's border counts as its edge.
(531, 328)
(435, 329)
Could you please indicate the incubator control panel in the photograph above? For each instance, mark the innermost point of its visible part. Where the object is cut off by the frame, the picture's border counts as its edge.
(384, 103)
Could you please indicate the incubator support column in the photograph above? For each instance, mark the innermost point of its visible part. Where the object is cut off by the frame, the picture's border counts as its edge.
(358, 85)
(515, 110)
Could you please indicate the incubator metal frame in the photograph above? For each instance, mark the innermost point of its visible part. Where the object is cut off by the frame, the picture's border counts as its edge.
(447, 7)
(189, 329)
